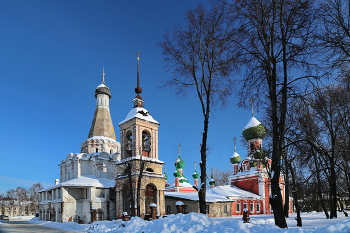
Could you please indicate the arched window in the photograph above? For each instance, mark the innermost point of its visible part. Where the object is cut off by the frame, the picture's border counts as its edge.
(149, 169)
(111, 151)
(128, 143)
(146, 140)
(146, 143)
(96, 150)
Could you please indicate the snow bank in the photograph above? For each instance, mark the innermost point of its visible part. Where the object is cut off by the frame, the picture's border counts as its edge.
(24, 218)
(194, 222)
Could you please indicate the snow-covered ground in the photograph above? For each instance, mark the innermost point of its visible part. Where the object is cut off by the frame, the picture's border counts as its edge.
(22, 218)
(193, 222)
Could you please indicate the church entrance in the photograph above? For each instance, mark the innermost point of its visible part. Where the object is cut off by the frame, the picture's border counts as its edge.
(150, 197)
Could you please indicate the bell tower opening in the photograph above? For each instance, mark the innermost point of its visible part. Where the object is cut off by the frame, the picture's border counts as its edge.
(128, 144)
(146, 143)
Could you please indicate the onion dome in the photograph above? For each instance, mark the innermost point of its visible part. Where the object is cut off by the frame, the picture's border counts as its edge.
(179, 164)
(103, 89)
(212, 182)
(183, 179)
(195, 175)
(254, 129)
(177, 174)
(235, 158)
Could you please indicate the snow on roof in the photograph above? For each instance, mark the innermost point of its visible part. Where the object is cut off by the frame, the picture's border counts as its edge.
(193, 196)
(235, 154)
(232, 191)
(85, 181)
(216, 194)
(253, 122)
(101, 85)
(140, 113)
(141, 158)
(101, 138)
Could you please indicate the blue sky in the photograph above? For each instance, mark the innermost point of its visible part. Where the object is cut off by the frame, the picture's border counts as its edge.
(52, 53)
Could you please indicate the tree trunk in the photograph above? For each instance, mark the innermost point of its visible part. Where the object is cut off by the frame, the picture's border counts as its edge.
(295, 197)
(132, 201)
(333, 190)
(286, 189)
(203, 165)
(319, 185)
(139, 188)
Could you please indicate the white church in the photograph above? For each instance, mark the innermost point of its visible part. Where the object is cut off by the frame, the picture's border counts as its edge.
(94, 184)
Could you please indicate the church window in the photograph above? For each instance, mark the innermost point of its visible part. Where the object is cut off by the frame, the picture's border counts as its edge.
(111, 151)
(251, 207)
(257, 207)
(149, 169)
(238, 207)
(96, 150)
(104, 167)
(245, 206)
(225, 209)
(100, 193)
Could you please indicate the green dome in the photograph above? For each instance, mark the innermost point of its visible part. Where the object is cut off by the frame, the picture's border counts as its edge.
(183, 180)
(195, 175)
(235, 158)
(180, 164)
(212, 182)
(165, 176)
(177, 174)
(254, 129)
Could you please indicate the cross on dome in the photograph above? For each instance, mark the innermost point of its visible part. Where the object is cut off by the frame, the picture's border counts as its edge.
(103, 74)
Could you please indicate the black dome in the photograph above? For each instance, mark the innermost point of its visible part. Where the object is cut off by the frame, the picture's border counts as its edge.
(103, 89)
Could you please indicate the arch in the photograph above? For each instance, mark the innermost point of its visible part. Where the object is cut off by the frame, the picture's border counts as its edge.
(150, 196)
(149, 169)
(146, 143)
(128, 143)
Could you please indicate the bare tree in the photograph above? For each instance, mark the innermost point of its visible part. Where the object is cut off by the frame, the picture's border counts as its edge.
(334, 32)
(276, 38)
(201, 58)
(33, 193)
(220, 177)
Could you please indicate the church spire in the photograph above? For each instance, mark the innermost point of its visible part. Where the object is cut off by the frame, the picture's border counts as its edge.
(102, 122)
(138, 102)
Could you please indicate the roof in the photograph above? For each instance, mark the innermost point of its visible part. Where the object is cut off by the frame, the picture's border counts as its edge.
(140, 113)
(103, 89)
(216, 194)
(253, 122)
(85, 181)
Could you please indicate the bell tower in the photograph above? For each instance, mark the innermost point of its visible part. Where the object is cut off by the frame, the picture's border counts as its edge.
(139, 171)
